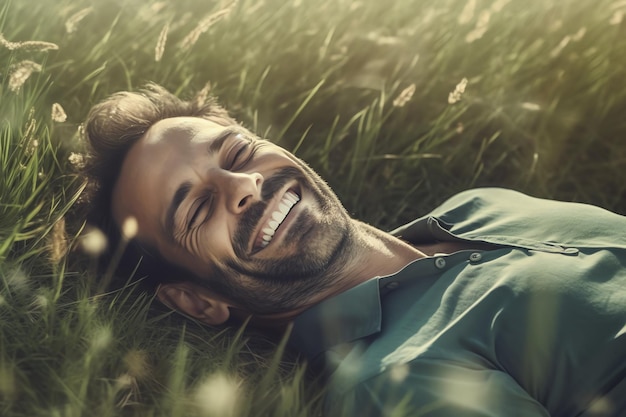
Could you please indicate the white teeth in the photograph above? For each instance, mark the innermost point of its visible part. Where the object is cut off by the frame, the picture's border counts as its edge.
(288, 201)
(278, 216)
(292, 197)
(284, 208)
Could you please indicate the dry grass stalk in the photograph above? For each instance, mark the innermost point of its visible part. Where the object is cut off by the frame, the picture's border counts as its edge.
(202, 95)
(160, 46)
(37, 46)
(71, 24)
(20, 73)
(58, 242)
(203, 26)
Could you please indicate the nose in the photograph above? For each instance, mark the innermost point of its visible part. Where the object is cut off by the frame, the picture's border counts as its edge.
(241, 190)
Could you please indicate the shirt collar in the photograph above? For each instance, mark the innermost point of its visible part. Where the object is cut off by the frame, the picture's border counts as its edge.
(348, 316)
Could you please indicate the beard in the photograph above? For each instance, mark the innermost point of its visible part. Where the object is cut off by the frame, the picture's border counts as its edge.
(322, 241)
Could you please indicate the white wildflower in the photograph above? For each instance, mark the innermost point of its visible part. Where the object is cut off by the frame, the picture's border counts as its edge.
(405, 96)
(130, 227)
(71, 24)
(217, 396)
(160, 46)
(58, 114)
(457, 94)
(93, 242)
(20, 72)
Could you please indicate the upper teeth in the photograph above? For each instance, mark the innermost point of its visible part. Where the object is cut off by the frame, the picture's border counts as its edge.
(277, 217)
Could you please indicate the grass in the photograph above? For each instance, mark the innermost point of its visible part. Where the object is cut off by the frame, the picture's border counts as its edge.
(542, 112)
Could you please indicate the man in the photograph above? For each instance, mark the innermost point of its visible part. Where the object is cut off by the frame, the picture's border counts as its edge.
(494, 304)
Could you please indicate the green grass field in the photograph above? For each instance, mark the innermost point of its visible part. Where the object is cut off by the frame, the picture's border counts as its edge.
(362, 90)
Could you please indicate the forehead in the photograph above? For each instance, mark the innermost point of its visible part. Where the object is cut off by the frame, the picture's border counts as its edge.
(154, 166)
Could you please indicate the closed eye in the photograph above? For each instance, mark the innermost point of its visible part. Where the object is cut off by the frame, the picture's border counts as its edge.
(242, 152)
(202, 207)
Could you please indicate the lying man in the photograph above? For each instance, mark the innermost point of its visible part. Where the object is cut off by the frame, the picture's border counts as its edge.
(493, 304)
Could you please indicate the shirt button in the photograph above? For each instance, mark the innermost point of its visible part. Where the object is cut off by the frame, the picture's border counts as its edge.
(440, 263)
(392, 285)
(475, 257)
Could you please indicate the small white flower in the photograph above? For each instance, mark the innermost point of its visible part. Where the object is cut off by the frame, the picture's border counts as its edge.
(217, 396)
(94, 242)
(130, 227)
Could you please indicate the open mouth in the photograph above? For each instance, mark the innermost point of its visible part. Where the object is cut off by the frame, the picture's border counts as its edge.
(276, 219)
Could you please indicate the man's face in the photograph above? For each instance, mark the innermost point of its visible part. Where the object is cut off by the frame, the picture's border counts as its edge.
(244, 214)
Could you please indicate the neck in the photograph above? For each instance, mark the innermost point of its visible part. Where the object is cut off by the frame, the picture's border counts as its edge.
(377, 254)
(372, 253)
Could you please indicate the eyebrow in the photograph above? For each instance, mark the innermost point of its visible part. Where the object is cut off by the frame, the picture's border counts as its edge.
(183, 189)
(218, 142)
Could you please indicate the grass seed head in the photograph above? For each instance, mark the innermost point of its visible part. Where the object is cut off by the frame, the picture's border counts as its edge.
(71, 24)
(58, 114)
(457, 94)
(405, 96)
(160, 46)
(77, 160)
(37, 46)
(20, 72)
(203, 26)
(57, 242)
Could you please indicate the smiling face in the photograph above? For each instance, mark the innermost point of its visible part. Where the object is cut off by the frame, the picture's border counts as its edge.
(244, 214)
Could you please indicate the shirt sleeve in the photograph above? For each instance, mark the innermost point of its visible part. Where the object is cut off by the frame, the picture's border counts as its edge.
(438, 389)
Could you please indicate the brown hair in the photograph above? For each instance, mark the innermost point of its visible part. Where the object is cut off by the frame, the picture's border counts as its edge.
(112, 128)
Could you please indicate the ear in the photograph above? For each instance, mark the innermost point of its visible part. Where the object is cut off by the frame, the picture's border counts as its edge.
(195, 301)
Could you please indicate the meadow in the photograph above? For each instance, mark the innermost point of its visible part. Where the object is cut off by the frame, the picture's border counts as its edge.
(397, 104)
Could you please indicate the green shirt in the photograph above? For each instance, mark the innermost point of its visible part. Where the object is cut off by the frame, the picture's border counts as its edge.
(534, 327)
